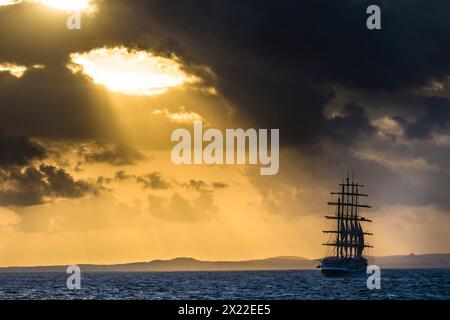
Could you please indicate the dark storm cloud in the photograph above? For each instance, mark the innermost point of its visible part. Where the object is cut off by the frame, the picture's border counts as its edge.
(33, 33)
(53, 103)
(63, 184)
(18, 150)
(353, 122)
(329, 165)
(387, 186)
(22, 183)
(279, 64)
(36, 185)
(277, 61)
(49, 102)
(435, 118)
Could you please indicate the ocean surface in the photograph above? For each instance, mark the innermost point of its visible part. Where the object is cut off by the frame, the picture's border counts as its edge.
(308, 284)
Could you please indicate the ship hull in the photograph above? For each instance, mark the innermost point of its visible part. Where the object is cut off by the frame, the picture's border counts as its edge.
(342, 272)
(343, 267)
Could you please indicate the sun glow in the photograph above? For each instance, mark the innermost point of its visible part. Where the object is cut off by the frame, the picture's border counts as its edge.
(66, 5)
(9, 2)
(130, 71)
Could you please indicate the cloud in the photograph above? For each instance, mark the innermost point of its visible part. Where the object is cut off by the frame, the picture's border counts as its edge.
(159, 181)
(195, 205)
(37, 185)
(23, 183)
(434, 119)
(63, 185)
(122, 176)
(286, 84)
(407, 164)
(56, 105)
(18, 150)
(181, 116)
(35, 34)
(118, 155)
(178, 208)
(202, 186)
(353, 123)
(198, 185)
(219, 185)
(128, 71)
(153, 180)
(17, 70)
(275, 66)
(9, 218)
(80, 215)
(171, 200)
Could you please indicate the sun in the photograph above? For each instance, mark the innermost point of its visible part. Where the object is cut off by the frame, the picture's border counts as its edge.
(64, 5)
(67, 5)
(9, 2)
(130, 71)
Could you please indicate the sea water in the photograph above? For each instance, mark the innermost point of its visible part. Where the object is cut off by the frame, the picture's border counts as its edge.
(304, 284)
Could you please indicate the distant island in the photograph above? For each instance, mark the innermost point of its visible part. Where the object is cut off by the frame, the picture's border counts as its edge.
(275, 263)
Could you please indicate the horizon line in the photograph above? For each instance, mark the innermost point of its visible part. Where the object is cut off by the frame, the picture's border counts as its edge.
(200, 260)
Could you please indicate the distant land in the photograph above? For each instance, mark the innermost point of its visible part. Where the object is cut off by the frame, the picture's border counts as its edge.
(275, 263)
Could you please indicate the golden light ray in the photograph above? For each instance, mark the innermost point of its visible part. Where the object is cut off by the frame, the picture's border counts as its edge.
(130, 71)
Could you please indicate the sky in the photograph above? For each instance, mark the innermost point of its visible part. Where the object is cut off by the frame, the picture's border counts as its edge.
(86, 118)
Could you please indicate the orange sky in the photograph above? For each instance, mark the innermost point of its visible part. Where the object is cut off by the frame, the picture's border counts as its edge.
(144, 207)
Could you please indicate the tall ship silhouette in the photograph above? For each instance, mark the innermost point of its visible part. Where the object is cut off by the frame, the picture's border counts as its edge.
(347, 237)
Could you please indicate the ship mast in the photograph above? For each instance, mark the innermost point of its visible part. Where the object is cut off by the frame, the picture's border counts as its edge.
(349, 235)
